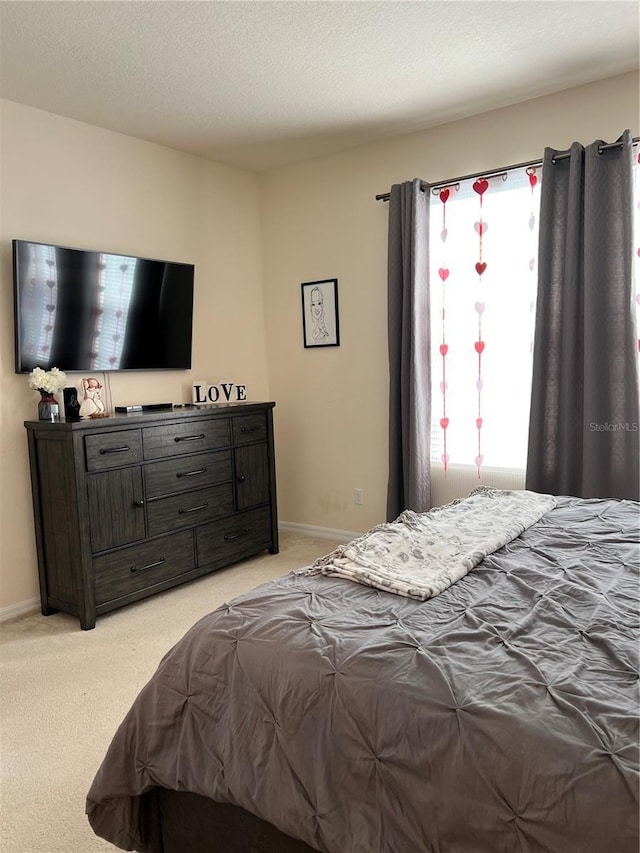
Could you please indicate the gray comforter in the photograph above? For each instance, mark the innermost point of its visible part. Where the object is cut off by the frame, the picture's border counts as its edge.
(501, 716)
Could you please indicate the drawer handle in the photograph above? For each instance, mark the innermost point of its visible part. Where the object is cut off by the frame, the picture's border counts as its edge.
(250, 429)
(193, 509)
(139, 504)
(146, 568)
(123, 449)
(241, 478)
(191, 473)
(189, 437)
(228, 537)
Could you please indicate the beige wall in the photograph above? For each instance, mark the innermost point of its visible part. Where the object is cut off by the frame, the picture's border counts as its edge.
(69, 183)
(320, 220)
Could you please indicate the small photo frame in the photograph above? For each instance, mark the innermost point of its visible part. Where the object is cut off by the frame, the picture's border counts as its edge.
(320, 321)
(93, 398)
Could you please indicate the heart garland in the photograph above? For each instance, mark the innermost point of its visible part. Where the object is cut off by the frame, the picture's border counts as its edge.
(480, 187)
(448, 276)
(443, 272)
(533, 183)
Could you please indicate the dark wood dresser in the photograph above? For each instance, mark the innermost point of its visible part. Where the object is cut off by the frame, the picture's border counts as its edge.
(133, 504)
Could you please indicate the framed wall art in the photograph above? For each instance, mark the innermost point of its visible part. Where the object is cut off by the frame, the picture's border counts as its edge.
(320, 321)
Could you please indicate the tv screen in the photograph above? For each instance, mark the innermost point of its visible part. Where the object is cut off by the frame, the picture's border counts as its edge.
(83, 310)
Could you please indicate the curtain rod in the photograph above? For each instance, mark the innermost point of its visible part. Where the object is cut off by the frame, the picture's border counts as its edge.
(497, 173)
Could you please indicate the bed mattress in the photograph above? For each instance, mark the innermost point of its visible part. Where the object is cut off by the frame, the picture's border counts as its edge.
(500, 716)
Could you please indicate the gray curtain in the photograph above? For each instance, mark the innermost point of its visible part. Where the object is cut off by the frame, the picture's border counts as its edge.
(583, 437)
(409, 350)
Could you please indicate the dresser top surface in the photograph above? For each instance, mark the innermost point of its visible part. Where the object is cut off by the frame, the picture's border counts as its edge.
(118, 420)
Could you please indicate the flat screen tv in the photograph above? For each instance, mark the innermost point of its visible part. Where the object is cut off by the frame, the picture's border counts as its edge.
(83, 310)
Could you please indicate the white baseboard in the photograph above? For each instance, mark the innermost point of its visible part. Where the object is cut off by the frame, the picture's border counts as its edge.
(19, 609)
(321, 532)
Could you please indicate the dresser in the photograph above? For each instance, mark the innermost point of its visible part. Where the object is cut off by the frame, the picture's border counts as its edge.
(133, 504)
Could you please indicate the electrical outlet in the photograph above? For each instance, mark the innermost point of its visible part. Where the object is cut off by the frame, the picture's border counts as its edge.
(358, 497)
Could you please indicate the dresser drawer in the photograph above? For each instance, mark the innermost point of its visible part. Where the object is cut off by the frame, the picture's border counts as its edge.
(242, 534)
(141, 566)
(189, 509)
(249, 428)
(187, 473)
(180, 438)
(112, 449)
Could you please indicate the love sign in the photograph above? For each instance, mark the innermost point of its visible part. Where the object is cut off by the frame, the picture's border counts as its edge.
(224, 392)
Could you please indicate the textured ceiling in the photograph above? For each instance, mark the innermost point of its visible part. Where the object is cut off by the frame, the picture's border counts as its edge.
(263, 84)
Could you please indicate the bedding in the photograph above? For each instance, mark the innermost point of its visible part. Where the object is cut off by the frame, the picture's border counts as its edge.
(500, 716)
(421, 554)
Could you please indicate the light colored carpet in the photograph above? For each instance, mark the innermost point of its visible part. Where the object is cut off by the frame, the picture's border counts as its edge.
(64, 691)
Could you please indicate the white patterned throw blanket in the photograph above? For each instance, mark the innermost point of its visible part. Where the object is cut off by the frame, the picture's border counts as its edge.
(421, 554)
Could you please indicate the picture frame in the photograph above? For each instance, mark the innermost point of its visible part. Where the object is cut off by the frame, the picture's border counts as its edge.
(320, 317)
(94, 397)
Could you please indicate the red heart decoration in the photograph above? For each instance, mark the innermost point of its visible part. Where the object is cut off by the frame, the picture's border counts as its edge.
(49, 262)
(96, 312)
(443, 234)
(479, 460)
(479, 347)
(443, 386)
(444, 349)
(480, 306)
(481, 186)
(479, 423)
(532, 222)
(50, 308)
(481, 227)
(118, 314)
(445, 458)
(51, 283)
(444, 422)
(48, 328)
(481, 267)
(533, 180)
(113, 359)
(479, 384)
(443, 272)
(532, 263)
(444, 195)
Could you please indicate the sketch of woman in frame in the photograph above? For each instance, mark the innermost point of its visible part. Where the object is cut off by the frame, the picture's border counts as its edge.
(319, 332)
(320, 323)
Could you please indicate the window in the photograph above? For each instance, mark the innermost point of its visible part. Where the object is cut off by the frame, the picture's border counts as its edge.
(483, 255)
(636, 236)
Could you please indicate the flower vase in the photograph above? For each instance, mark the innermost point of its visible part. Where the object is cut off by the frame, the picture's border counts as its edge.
(48, 409)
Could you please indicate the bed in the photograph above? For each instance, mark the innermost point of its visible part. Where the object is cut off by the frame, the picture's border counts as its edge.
(319, 714)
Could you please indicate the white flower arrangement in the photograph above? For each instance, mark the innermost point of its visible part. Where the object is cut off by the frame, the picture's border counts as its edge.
(47, 381)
